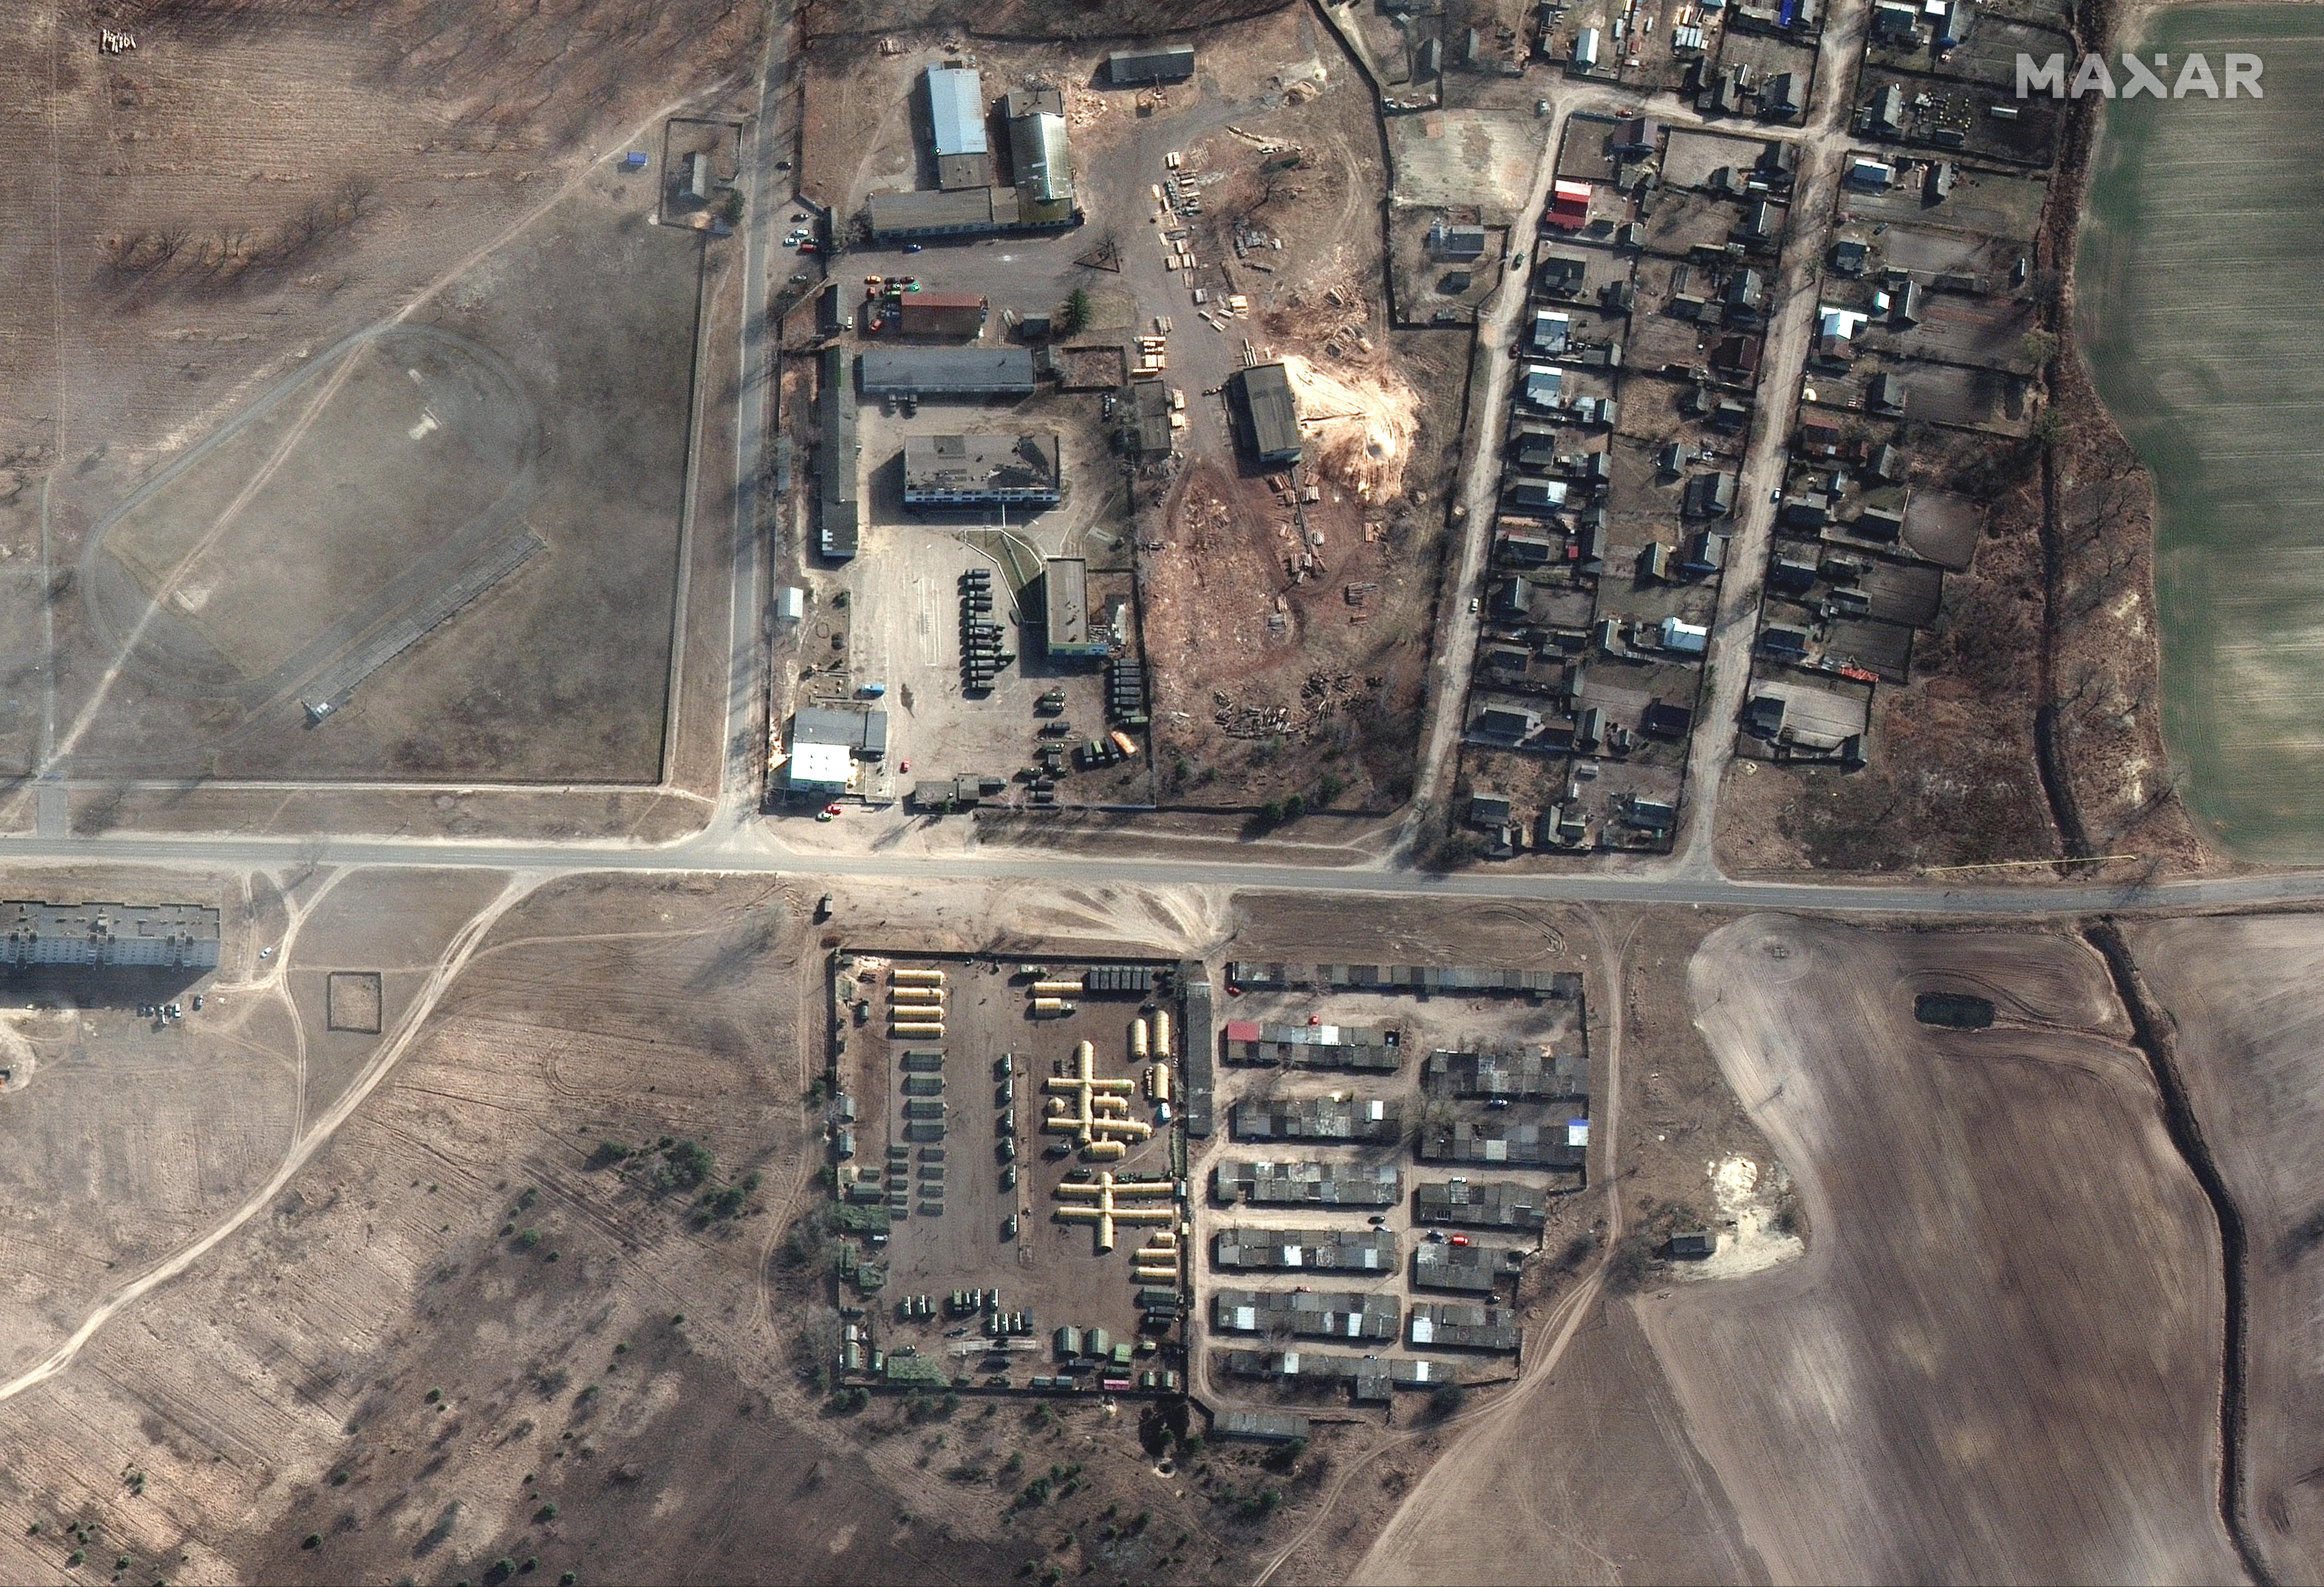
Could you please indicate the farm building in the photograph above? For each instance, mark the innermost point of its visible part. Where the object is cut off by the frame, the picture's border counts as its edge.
(1126, 69)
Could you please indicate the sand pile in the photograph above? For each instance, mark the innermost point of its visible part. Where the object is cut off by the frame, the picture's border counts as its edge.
(1359, 424)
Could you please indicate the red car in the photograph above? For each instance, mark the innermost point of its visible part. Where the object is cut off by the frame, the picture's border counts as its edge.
(832, 809)
(1459, 1240)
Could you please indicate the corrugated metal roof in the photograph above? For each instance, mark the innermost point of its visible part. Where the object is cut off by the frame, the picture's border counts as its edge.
(956, 106)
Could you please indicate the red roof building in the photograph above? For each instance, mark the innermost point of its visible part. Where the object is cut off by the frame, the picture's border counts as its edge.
(1569, 205)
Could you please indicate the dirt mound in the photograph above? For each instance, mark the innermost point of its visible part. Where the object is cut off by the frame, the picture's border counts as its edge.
(1361, 422)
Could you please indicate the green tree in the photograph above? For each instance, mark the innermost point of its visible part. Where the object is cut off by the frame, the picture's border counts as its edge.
(1076, 315)
(732, 209)
(2038, 346)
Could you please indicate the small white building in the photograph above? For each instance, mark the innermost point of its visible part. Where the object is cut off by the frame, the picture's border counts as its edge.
(1688, 638)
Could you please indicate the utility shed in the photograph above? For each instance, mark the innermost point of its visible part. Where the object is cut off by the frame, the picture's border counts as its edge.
(956, 115)
(942, 314)
(1134, 68)
(948, 372)
(1065, 608)
(1268, 413)
(980, 470)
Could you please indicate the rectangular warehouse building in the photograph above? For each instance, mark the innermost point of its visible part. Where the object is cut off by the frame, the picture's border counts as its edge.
(1126, 69)
(956, 115)
(1308, 1184)
(1065, 608)
(838, 505)
(1268, 413)
(1316, 1250)
(111, 936)
(981, 471)
(948, 372)
(968, 212)
(942, 314)
(1038, 159)
(1482, 1204)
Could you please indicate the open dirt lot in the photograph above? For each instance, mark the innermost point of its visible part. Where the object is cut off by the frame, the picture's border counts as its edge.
(234, 218)
(2012, 1304)
(2242, 997)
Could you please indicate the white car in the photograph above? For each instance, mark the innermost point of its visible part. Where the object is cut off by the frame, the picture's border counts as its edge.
(1473, 605)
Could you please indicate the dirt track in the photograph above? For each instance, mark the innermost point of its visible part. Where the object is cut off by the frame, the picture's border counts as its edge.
(2011, 1311)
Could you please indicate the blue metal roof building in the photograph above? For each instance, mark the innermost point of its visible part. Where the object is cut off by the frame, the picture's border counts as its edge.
(956, 113)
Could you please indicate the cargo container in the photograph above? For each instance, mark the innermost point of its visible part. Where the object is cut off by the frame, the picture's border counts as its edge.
(1125, 743)
(1051, 1008)
(1055, 988)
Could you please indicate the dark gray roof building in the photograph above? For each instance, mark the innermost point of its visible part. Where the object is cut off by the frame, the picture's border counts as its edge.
(948, 372)
(1312, 1250)
(1308, 1184)
(1309, 1314)
(1172, 63)
(839, 504)
(980, 470)
(1269, 412)
(1482, 1204)
(1525, 1074)
(1478, 1269)
(1518, 1145)
(1319, 1119)
(1455, 1325)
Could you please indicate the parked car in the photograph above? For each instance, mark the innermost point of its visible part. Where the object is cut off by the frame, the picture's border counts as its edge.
(911, 247)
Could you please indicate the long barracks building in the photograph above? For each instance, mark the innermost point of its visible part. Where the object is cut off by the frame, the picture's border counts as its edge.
(127, 937)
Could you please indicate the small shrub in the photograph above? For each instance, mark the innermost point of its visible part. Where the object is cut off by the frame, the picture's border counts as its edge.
(340, 1478)
(546, 1512)
(529, 1239)
(312, 1540)
(76, 1556)
(435, 1397)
